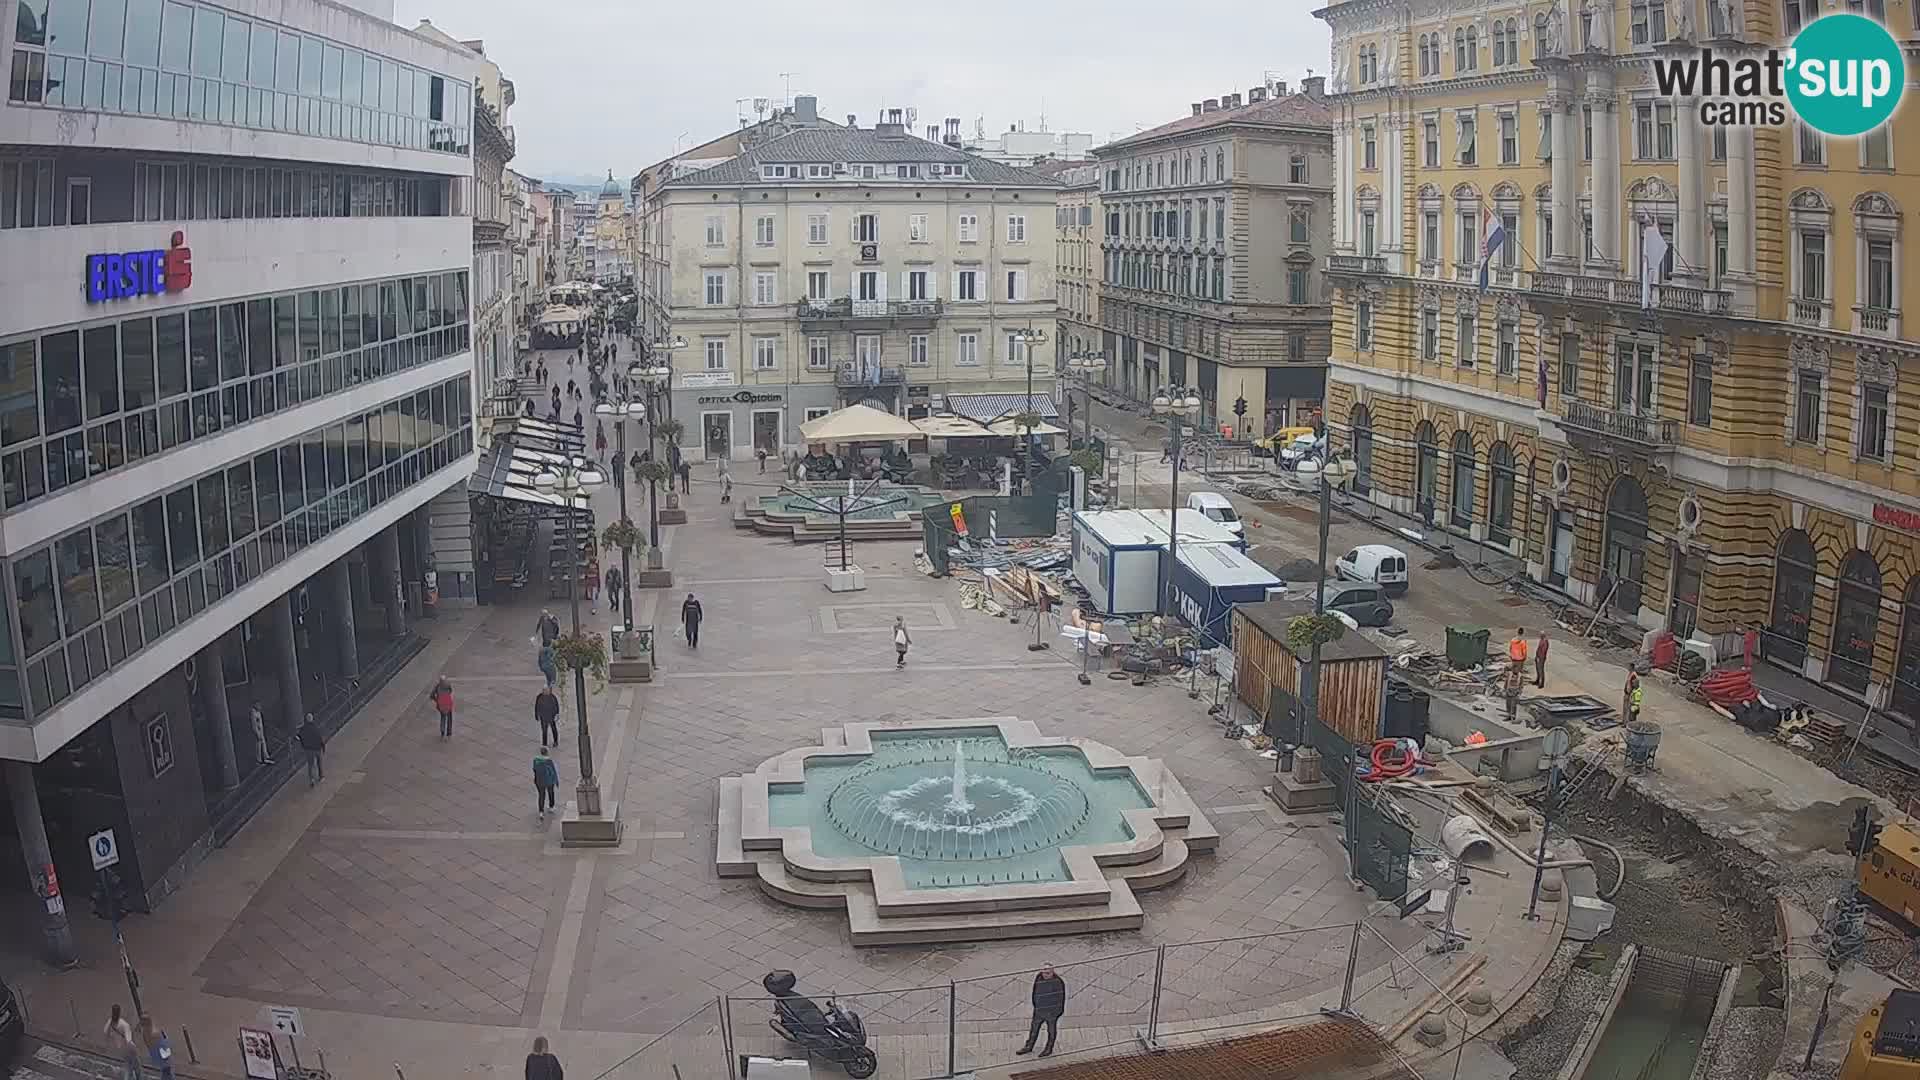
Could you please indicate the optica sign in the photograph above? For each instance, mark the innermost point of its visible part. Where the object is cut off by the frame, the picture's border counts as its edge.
(140, 273)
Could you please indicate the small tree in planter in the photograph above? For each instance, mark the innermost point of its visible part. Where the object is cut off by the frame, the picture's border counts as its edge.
(654, 472)
(585, 651)
(669, 431)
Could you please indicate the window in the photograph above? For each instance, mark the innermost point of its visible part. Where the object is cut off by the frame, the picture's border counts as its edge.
(1296, 173)
(1466, 123)
(1649, 19)
(917, 228)
(1466, 329)
(1810, 148)
(1369, 232)
(966, 350)
(1719, 251)
(765, 353)
(1880, 273)
(1586, 132)
(1813, 265)
(1509, 224)
(1430, 236)
(1795, 17)
(1633, 376)
(1509, 139)
(817, 285)
(763, 230)
(1429, 335)
(1300, 224)
(966, 285)
(1875, 411)
(867, 285)
(866, 228)
(1296, 345)
(1016, 350)
(1700, 392)
(716, 293)
(1220, 220)
(1297, 285)
(819, 172)
(1570, 365)
(716, 230)
(816, 228)
(1507, 348)
(1546, 231)
(763, 288)
(970, 228)
(919, 285)
(1369, 152)
(1016, 228)
(917, 350)
(1363, 326)
(1469, 247)
(819, 358)
(1430, 143)
(716, 354)
(1016, 284)
(1653, 138)
(1810, 396)
(1876, 147)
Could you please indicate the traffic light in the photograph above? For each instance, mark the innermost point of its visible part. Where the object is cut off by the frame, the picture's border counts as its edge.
(1240, 406)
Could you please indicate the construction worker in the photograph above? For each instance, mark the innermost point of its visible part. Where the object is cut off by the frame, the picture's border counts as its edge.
(1633, 702)
(1517, 648)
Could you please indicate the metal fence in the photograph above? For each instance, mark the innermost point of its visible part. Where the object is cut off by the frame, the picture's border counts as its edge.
(696, 1048)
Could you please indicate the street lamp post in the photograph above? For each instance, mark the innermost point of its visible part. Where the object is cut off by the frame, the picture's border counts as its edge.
(1085, 365)
(1176, 405)
(653, 382)
(1028, 338)
(662, 354)
(620, 410)
(574, 482)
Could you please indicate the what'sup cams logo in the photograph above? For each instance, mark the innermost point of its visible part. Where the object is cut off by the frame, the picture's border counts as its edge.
(1843, 75)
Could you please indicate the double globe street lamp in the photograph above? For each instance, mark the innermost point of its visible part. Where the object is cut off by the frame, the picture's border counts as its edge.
(1086, 365)
(1178, 405)
(573, 483)
(621, 409)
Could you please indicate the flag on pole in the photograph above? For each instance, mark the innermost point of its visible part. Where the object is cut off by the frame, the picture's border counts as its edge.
(1653, 256)
(1496, 237)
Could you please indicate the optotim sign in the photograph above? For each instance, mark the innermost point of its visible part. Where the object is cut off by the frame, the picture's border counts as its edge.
(140, 273)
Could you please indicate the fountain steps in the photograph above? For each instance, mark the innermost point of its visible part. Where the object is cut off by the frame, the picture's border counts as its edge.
(802, 529)
(1120, 912)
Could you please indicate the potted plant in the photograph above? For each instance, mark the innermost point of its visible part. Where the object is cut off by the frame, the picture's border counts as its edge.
(623, 534)
(584, 651)
(1306, 631)
(1027, 421)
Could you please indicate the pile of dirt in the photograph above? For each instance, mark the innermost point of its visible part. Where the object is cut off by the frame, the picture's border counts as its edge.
(1297, 570)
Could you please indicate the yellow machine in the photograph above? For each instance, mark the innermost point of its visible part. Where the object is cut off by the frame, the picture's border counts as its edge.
(1275, 440)
(1890, 874)
(1886, 1045)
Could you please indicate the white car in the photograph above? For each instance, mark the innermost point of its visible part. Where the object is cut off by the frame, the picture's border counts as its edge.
(1301, 448)
(1218, 510)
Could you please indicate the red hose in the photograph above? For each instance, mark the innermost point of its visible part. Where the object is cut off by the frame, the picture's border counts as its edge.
(1384, 769)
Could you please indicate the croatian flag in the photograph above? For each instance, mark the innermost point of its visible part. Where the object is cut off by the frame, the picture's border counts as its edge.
(1495, 239)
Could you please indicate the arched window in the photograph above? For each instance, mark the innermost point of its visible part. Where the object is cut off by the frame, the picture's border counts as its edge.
(1499, 45)
(1189, 170)
(1361, 423)
(1220, 165)
(1856, 623)
(1426, 469)
(1473, 48)
(1459, 50)
(1423, 54)
(1623, 551)
(1462, 515)
(1203, 167)
(1793, 578)
(1906, 671)
(1501, 481)
(1540, 36)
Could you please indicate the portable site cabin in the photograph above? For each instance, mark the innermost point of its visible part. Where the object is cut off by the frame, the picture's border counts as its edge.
(1268, 677)
(1116, 558)
(1195, 528)
(1210, 579)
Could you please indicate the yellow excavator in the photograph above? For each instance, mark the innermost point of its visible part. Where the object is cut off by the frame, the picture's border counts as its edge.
(1886, 1045)
(1889, 869)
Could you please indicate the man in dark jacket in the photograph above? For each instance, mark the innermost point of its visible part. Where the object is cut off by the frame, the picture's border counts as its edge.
(690, 615)
(546, 711)
(314, 745)
(1049, 1003)
(542, 1065)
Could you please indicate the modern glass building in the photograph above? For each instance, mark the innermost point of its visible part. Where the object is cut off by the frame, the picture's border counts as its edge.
(235, 248)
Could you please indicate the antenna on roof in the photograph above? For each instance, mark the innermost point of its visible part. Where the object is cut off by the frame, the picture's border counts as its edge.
(788, 76)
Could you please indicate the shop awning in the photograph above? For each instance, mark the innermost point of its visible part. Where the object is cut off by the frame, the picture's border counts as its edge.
(858, 423)
(987, 408)
(1006, 426)
(508, 473)
(539, 434)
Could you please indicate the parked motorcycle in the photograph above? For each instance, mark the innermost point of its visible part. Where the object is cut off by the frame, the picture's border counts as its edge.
(836, 1035)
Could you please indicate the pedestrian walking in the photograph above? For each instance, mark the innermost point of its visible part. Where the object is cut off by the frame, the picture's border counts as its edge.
(442, 695)
(690, 616)
(761, 453)
(686, 477)
(901, 639)
(546, 713)
(548, 665)
(120, 1041)
(160, 1053)
(1540, 661)
(578, 421)
(314, 745)
(546, 779)
(259, 721)
(1049, 1004)
(613, 589)
(1516, 675)
(541, 1064)
(592, 580)
(726, 487)
(547, 627)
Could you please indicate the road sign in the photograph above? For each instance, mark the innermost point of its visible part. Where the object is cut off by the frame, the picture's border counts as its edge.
(1557, 742)
(104, 850)
(285, 1020)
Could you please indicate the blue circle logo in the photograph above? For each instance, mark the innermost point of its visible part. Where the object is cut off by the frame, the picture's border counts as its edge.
(1846, 74)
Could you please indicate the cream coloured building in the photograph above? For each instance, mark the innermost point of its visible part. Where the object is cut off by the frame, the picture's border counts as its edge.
(1077, 258)
(838, 265)
(1733, 445)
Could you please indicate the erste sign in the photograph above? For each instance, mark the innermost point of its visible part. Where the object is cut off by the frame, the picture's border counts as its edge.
(140, 273)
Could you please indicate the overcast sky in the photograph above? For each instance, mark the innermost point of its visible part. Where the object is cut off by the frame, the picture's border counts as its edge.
(614, 84)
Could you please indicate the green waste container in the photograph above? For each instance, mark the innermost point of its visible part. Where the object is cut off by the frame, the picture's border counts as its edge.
(1466, 647)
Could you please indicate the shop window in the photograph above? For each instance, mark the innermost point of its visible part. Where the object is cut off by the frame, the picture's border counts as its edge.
(1624, 549)
(1463, 466)
(1361, 422)
(1856, 623)
(1793, 583)
(1501, 481)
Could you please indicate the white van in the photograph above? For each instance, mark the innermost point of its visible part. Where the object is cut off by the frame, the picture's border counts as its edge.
(1218, 509)
(1384, 566)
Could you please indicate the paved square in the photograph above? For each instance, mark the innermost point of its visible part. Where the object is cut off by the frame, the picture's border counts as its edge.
(878, 618)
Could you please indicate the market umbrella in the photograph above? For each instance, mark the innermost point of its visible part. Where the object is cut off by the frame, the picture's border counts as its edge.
(858, 423)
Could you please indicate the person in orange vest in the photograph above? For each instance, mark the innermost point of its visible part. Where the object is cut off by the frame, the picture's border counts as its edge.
(1517, 648)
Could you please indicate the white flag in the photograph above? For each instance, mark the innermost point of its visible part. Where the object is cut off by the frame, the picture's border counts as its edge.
(1653, 255)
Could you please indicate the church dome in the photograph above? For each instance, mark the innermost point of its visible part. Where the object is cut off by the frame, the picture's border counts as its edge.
(612, 188)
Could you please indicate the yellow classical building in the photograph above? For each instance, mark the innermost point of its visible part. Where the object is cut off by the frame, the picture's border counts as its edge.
(1719, 442)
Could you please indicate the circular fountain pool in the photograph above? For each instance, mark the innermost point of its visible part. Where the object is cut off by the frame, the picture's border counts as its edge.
(950, 808)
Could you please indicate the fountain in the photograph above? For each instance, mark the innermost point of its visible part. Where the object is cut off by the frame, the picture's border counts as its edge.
(938, 819)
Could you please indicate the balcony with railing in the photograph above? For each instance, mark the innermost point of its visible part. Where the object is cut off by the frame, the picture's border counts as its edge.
(1617, 427)
(849, 309)
(853, 374)
(1876, 320)
(1809, 311)
(1665, 296)
(1356, 265)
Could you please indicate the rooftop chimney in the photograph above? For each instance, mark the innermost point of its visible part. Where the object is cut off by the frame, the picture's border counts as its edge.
(806, 109)
(1313, 85)
(1196, 108)
(1210, 105)
(852, 121)
(1279, 88)
(1256, 95)
(1232, 101)
(893, 127)
(952, 137)
(933, 132)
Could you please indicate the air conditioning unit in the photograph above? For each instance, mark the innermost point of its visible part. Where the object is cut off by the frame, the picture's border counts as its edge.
(839, 167)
